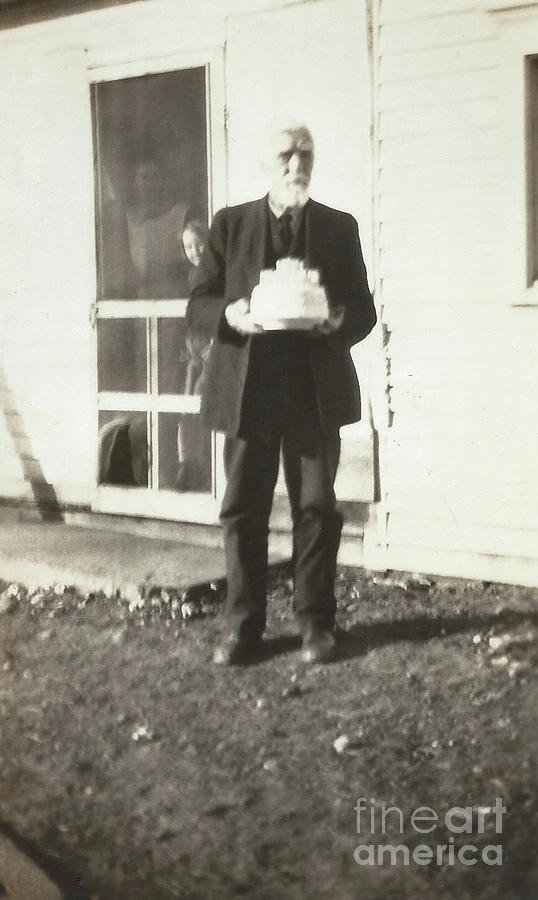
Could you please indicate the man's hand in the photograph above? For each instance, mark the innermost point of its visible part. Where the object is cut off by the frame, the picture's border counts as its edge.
(332, 324)
(238, 317)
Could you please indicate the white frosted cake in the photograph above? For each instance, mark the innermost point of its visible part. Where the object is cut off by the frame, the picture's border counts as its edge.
(289, 296)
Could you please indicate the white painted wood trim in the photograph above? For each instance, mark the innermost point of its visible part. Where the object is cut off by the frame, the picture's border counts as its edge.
(141, 309)
(375, 534)
(111, 65)
(200, 508)
(163, 403)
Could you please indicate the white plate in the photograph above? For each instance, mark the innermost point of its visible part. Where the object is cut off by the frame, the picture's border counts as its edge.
(290, 324)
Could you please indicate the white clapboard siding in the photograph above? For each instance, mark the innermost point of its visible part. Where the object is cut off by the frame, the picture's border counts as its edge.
(443, 176)
(488, 567)
(467, 115)
(431, 206)
(458, 469)
(438, 61)
(398, 11)
(441, 493)
(463, 231)
(431, 372)
(457, 345)
(426, 500)
(445, 31)
(459, 144)
(488, 426)
(410, 315)
(450, 88)
(483, 413)
(448, 262)
(451, 402)
(461, 536)
(46, 341)
(489, 409)
(456, 461)
(46, 348)
(407, 300)
(74, 377)
(65, 492)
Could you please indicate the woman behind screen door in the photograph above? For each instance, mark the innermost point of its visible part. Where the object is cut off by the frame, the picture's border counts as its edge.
(193, 439)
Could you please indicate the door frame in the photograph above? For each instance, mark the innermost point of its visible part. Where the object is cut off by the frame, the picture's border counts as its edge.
(152, 501)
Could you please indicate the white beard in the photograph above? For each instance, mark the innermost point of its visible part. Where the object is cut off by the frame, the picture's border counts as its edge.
(291, 195)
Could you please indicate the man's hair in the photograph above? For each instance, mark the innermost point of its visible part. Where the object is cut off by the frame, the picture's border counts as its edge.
(283, 124)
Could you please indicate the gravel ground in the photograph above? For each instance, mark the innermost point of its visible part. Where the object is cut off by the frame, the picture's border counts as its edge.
(142, 771)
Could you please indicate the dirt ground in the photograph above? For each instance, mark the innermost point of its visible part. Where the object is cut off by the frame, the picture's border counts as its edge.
(145, 772)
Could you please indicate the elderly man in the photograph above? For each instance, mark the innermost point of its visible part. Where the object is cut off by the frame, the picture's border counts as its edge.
(281, 390)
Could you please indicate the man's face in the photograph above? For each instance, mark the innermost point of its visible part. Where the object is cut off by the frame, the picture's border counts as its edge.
(288, 164)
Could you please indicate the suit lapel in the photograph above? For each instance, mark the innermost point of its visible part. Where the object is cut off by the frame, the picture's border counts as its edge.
(256, 249)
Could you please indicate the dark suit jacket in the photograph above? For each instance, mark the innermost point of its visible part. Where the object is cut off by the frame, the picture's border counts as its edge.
(237, 249)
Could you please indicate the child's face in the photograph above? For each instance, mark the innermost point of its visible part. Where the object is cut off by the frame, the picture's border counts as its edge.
(193, 245)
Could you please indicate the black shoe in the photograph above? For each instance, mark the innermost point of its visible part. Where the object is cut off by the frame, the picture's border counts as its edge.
(319, 646)
(236, 651)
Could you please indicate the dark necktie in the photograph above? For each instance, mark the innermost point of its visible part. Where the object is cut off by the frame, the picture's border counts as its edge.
(286, 234)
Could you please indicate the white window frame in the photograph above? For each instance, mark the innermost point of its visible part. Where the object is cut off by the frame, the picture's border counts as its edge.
(518, 39)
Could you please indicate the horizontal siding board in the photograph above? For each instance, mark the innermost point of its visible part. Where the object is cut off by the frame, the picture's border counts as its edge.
(419, 313)
(489, 427)
(446, 31)
(51, 380)
(458, 345)
(509, 519)
(443, 486)
(438, 61)
(449, 147)
(512, 570)
(406, 300)
(397, 11)
(512, 516)
(476, 85)
(446, 261)
(439, 118)
(475, 416)
(476, 375)
(460, 467)
(455, 232)
(60, 354)
(485, 417)
(443, 176)
(483, 538)
(484, 201)
(65, 491)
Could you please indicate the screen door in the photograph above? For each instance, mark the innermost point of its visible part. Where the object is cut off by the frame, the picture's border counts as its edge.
(151, 149)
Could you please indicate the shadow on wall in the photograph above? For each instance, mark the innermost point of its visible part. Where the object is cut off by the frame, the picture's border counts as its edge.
(44, 493)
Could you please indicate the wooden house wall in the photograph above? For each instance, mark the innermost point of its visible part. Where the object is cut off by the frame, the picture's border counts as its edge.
(459, 473)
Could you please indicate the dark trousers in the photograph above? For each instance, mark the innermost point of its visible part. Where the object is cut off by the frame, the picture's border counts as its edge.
(310, 457)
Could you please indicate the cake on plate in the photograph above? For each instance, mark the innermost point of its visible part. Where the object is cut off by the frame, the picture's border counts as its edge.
(289, 296)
